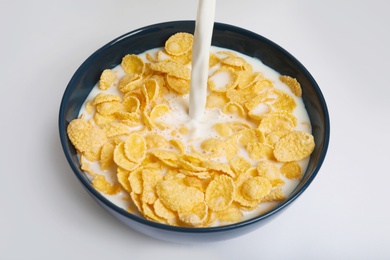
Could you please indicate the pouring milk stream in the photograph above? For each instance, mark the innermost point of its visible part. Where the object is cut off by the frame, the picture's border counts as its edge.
(200, 58)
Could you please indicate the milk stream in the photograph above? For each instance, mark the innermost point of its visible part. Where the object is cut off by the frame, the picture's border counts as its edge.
(200, 58)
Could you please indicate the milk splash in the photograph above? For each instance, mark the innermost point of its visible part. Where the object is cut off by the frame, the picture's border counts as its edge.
(200, 59)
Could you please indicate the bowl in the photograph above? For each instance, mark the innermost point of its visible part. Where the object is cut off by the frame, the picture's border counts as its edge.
(226, 36)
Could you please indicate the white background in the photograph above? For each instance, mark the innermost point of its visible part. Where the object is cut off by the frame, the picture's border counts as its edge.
(46, 214)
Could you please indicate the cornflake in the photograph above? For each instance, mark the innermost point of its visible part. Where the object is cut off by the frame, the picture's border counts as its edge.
(162, 172)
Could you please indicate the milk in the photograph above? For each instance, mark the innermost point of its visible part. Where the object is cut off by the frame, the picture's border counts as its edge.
(200, 58)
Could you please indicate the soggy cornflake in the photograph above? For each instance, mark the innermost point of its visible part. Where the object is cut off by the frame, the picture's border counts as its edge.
(243, 164)
(294, 146)
(179, 43)
(107, 79)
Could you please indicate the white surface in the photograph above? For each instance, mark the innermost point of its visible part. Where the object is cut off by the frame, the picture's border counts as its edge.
(46, 214)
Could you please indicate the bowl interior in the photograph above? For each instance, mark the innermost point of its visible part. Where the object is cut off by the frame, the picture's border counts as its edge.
(225, 36)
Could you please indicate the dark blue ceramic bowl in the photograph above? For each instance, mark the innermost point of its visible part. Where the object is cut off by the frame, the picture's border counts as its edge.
(225, 36)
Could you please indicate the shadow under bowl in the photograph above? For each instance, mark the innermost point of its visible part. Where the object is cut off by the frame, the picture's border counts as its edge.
(225, 36)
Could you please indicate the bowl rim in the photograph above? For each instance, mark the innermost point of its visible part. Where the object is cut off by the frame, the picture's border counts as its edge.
(221, 26)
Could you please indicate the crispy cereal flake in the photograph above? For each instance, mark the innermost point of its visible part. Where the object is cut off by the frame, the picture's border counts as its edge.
(179, 43)
(107, 79)
(220, 192)
(292, 170)
(135, 148)
(294, 146)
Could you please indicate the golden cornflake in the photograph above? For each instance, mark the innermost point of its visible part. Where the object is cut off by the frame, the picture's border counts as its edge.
(216, 100)
(104, 97)
(223, 129)
(293, 84)
(121, 159)
(163, 212)
(291, 170)
(86, 137)
(135, 180)
(158, 111)
(106, 156)
(220, 192)
(179, 43)
(133, 64)
(231, 214)
(256, 188)
(172, 68)
(178, 145)
(155, 141)
(268, 170)
(219, 167)
(180, 86)
(100, 183)
(240, 165)
(129, 83)
(131, 104)
(115, 129)
(277, 122)
(213, 146)
(151, 89)
(135, 148)
(275, 195)
(222, 80)
(108, 108)
(258, 150)
(178, 197)
(234, 108)
(107, 79)
(149, 181)
(123, 179)
(196, 216)
(294, 146)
